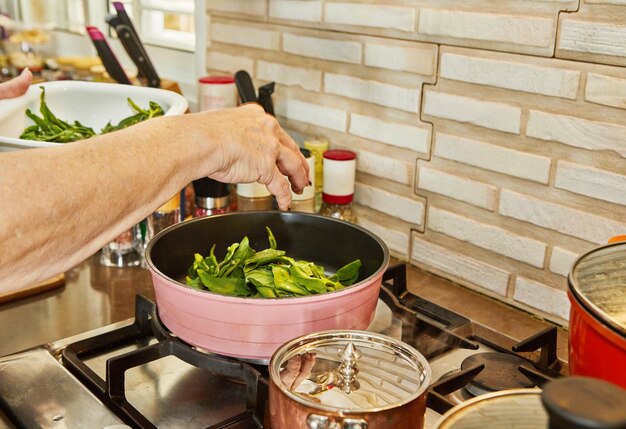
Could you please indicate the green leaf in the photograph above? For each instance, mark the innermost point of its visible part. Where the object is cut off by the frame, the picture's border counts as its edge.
(311, 284)
(225, 285)
(263, 257)
(284, 282)
(348, 274)
(271, 238)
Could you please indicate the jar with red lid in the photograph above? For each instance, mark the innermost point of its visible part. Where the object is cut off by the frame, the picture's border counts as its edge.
(338, 184)
(216, 92)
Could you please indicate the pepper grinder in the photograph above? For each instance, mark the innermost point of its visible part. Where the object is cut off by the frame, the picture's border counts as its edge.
(338, 186)
(212, 197)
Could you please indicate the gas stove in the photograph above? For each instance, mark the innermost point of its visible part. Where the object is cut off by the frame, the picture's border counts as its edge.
(138, 374)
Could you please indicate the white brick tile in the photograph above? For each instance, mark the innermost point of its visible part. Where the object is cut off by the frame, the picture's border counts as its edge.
(299, 10)
(404, 208)
(460, 266)
(288, 75)
(372, 91)
(229, 63)
(315, 114)
(566, 220)
(606, 1)
(607, 90)
(492, 157)
(326, 49)
(370, 15)
(508, 74)
(401, 135)
(246, 7)
(577, 132)
(562, 260)
(592, 37)
(396, 240)
(592, 182)
(383, 166)
(542, 297)
(459, 188)
(518, 29)
(497, 116)
(245, 36)
(401, 58)
(488, 237)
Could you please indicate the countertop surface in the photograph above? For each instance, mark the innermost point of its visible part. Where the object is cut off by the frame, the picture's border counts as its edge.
(95, 296)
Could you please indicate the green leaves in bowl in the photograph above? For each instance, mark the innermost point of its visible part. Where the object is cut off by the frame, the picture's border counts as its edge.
(268, 273)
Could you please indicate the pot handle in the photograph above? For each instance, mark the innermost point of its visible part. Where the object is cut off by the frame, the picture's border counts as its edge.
(316, 421)
(617, 239)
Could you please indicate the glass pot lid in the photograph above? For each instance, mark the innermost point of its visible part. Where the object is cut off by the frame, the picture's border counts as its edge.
(598, 280)
(350, 371)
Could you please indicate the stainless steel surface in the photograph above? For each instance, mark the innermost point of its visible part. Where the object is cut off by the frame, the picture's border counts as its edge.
(324, 422)
(43, 394)
(598, 280)
(348, 369)
(212, 203)
(391, 373)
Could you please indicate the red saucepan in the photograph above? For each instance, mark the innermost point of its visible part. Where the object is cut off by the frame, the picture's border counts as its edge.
(253, 328)
(597, 337)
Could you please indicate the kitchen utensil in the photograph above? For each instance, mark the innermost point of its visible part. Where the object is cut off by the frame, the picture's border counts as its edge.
(253, 328)
(347, 379)
(91, 103)
(107, 56)
(265, 97)
(245, 87)
(565, 403)
(597, 292)
(129, 37)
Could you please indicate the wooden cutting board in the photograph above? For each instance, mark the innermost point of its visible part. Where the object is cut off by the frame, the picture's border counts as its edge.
(52, 283)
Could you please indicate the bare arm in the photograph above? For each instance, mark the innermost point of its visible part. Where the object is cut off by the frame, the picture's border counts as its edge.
(60, 205)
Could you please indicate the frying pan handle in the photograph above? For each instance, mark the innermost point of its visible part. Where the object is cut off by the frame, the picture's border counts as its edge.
(315, 421)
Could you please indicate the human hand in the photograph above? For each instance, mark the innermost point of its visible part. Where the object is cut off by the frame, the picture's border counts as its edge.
(255, 149)
(16, 86)
(298, 369)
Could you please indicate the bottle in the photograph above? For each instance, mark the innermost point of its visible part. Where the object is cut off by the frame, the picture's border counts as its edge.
(216, 92)
(305, 202)
(338, 188)
(166, 215)
(317, 147)
(212, 197)
(253, 196)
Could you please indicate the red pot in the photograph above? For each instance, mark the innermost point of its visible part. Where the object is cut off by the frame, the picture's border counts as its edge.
(597, 336)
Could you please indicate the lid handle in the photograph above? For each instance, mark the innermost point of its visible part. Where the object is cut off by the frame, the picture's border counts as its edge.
(315, 421)
(348, 370)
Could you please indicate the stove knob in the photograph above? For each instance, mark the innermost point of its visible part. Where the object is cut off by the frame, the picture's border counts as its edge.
(584, 403)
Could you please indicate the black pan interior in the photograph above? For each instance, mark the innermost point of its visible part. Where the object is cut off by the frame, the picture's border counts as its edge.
(325, 241)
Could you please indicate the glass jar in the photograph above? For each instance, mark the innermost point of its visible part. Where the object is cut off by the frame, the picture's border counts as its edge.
(212, 197)
(253, 196)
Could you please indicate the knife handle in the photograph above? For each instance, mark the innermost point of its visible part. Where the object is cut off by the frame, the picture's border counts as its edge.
(135, 50)
(245, 87)
(107, 56)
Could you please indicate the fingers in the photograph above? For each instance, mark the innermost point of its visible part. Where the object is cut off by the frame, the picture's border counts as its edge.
(291, 371)
(306, 365)
(280, 188)
(16, 86)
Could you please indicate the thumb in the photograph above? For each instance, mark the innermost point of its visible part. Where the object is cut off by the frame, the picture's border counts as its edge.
(16, 86)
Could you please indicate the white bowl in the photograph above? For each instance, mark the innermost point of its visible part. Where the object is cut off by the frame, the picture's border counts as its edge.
(91, 103)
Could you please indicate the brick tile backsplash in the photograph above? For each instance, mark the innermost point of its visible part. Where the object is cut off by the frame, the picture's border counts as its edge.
(487, 236)
(391, 17)
(577, 132)
(299, 10)
(460, 266)
(372, 91)
(547, 299)
(456, 187)
(512, 74)
(497, 116)
(401, 135)
(493, 157)
(490, 134)
(595, 183)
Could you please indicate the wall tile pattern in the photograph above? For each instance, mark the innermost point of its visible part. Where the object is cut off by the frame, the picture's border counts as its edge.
(491, 134)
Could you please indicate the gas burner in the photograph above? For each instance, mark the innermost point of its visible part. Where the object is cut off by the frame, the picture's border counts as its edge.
(501, 373)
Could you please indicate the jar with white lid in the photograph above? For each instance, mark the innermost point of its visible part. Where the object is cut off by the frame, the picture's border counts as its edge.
(253, 196)
(338, 186)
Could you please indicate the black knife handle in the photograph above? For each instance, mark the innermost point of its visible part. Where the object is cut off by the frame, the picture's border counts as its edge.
(245, 87)
(133, 46)
(107, 56)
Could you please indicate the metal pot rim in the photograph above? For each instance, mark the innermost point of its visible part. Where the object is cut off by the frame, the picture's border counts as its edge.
(583, 300)
(421, 360)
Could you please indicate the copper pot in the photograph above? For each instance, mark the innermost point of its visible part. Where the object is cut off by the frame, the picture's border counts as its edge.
(347, 380)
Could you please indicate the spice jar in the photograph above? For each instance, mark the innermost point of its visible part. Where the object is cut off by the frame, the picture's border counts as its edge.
(317, 148)
(253, 196)
(216, 92)
(338, 187)
(212, 197)
(305, 202)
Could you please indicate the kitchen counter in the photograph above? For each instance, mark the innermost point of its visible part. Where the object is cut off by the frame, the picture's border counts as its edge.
(95, 296)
